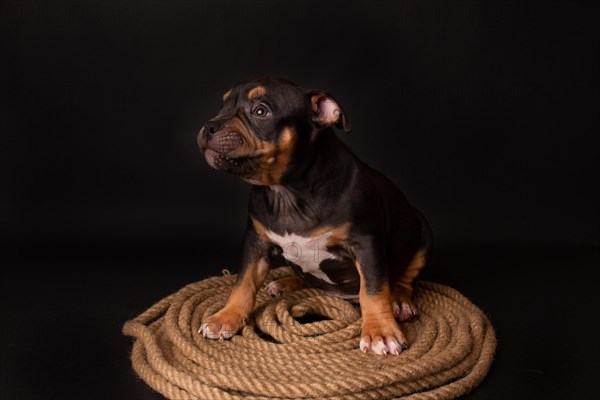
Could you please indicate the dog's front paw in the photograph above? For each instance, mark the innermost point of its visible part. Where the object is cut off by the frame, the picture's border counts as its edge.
(404, 310)
(285, 286)
(382, 337)
(223, 325)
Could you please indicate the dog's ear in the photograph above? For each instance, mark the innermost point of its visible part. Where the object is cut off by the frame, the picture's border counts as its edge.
(327, 112)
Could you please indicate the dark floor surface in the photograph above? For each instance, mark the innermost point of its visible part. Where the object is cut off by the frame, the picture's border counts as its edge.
(64, 307)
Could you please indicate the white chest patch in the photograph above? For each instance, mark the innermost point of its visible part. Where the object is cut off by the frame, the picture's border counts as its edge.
(306, 252)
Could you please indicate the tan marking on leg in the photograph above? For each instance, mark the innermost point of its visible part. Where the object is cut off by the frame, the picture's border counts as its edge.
(402, 287)
(380, 331)
(244, 292)
(403, 283)
(261, 230)
(256, 92)
(285, 286)
(231, 318)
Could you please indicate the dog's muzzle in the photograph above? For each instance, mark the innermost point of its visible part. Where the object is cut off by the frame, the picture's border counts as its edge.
(217, 146)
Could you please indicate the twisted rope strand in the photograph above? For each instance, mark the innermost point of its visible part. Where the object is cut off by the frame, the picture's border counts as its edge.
(278, 357)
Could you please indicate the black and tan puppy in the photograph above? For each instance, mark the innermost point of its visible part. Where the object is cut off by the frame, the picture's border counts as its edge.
(342, 226)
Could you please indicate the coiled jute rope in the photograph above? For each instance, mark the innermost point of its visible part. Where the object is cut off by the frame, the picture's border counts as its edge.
(280, 355)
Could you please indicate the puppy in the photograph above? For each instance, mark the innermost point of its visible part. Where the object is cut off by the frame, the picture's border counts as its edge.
(342, 226)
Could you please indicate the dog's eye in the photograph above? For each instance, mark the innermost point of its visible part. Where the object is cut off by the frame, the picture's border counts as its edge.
(261, 110)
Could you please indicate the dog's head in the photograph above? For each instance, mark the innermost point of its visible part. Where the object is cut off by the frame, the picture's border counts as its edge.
(264, 128)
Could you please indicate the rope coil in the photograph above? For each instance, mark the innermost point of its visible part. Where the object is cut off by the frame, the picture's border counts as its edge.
(277, 356)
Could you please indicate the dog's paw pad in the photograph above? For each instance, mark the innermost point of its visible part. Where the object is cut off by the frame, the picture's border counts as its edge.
(223, 325)
(285, 286)
(383, 345)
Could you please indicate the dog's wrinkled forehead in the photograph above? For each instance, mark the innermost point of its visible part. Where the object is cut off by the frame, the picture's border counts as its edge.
(279, 94)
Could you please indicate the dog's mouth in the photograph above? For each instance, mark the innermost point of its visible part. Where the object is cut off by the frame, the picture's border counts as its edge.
(222, 161)
(220, 149)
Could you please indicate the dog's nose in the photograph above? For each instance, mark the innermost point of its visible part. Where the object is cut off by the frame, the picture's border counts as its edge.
(211, 127)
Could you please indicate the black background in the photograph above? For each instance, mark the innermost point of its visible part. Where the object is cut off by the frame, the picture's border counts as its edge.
(486, 114)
